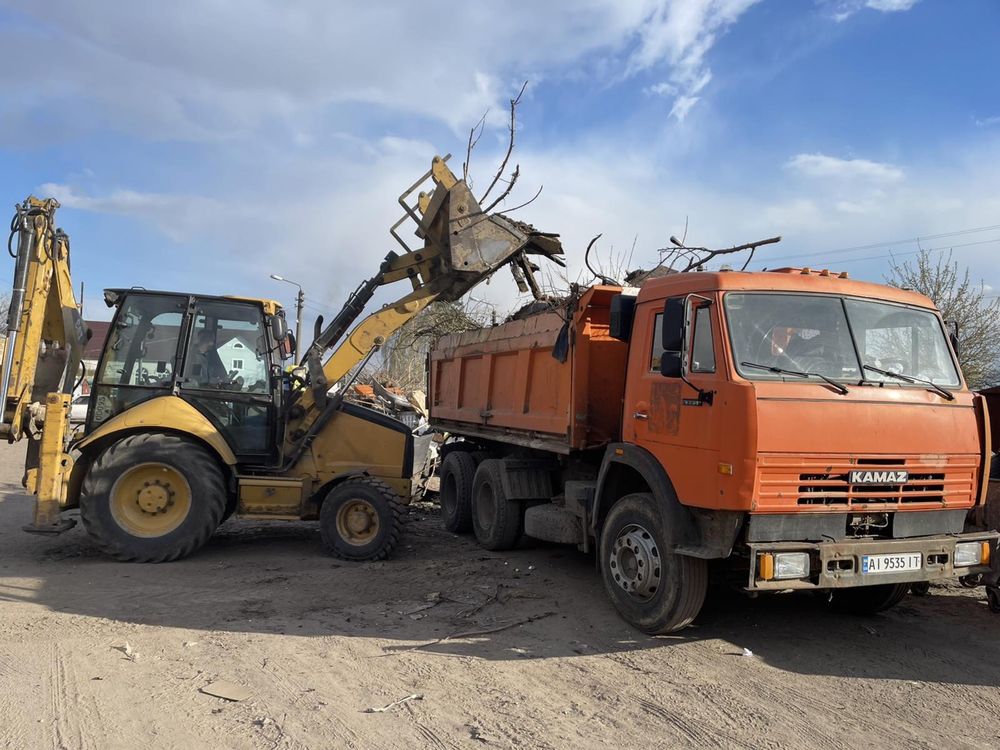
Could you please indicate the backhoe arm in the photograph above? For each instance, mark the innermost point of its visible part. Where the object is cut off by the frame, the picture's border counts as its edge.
(42, 356)
(462, 246)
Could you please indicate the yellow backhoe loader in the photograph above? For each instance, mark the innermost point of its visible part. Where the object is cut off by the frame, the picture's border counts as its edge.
(174, 443)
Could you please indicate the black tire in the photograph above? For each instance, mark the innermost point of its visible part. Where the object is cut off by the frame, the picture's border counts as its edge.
(667, 590)
(107, 520)
(921, 588)
(869, 600)
(380, 511)
(496, 521)
(458, 470)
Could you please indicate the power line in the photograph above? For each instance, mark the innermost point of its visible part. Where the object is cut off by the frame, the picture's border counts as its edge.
(876, 245)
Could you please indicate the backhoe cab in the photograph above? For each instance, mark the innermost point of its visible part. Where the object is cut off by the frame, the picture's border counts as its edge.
(193, 416)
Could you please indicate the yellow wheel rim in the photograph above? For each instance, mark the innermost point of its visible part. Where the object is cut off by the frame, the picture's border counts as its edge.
(357, 522)
(150, 500)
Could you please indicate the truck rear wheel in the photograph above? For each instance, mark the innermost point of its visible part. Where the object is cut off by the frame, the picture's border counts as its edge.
(152, 498)
(360, 520)
(652, 589)
(496, 520)
(458, 470)
(869, 600)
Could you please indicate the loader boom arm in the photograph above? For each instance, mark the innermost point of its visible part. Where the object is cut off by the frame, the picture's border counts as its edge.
(462, 246)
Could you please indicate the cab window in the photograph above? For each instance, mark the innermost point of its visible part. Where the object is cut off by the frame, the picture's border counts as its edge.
(142, 345)
(703, 347)
(657, 350)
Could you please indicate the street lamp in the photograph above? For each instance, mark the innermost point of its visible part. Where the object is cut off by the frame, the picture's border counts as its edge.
(299, 300)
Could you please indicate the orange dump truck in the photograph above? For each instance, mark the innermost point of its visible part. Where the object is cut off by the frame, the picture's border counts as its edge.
(811, 431)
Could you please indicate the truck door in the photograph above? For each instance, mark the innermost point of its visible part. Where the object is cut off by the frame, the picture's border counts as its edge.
(673, 419)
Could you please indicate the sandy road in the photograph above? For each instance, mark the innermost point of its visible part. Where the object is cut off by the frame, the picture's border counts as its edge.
(317, 642)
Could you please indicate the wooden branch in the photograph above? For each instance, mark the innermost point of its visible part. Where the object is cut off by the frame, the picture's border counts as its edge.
(526, 203)
(510, 186)
(699, 262)
(472, 144)
(510, 143)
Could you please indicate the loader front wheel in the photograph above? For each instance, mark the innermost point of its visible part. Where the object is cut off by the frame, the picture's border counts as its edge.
(360, 520)
(152, 498)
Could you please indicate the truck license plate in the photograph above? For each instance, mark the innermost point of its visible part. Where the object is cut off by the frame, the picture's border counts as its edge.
(892, 563)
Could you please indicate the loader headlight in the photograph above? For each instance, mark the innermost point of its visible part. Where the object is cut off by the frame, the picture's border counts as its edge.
(971, 553)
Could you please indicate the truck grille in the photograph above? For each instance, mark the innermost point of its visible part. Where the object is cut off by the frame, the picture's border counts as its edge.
(936, 481)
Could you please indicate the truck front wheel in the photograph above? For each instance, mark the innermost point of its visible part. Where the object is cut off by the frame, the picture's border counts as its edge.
(496, 520)
(652, 589)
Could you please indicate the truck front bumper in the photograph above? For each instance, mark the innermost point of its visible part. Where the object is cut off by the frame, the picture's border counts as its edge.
(835, 565)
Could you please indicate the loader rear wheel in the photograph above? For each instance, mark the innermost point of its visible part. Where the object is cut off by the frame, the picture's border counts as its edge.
(654, 590)
(152, 498)
(869, 600)
(458, 470)
(360, 520)
(496, 520)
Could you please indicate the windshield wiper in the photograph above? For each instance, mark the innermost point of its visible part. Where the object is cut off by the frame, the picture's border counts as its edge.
(911, 379)
(839, 387)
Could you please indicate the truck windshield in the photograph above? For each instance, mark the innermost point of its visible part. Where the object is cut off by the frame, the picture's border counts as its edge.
(812, 333)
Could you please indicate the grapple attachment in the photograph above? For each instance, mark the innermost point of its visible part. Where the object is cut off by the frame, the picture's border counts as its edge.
(471, 244)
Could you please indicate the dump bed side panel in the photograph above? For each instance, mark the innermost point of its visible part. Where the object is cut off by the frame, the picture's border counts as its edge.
(504, 382)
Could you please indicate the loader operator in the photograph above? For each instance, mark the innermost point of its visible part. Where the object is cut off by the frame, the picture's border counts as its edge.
(207, 369)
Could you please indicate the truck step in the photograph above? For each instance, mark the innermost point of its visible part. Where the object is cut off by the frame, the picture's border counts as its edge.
(550, 523)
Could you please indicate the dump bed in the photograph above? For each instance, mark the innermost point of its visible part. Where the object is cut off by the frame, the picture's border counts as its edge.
(542, 382)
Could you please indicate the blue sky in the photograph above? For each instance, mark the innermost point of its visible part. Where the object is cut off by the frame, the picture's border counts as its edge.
(205, 145)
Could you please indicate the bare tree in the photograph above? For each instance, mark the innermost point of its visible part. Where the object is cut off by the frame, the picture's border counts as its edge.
(405, 352)
(961, 300)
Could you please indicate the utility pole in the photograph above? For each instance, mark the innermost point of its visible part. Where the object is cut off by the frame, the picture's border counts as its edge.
(299, 302)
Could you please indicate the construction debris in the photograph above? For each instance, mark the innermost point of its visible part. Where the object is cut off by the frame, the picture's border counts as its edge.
(226, 690)
(390, 706)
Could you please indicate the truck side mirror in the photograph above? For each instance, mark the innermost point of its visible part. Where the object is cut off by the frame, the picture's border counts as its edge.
(622, 316)
(671, 364)
(279, 328)
(952, 327)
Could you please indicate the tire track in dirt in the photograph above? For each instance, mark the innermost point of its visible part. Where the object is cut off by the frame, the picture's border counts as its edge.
(696, 735)
(283, 677)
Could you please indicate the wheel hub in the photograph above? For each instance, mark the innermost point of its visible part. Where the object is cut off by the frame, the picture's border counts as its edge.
(357, 522)
(150, 499)
(635, 562)
(155, 497)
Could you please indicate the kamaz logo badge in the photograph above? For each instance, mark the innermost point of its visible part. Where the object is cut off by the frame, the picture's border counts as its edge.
(878, 477)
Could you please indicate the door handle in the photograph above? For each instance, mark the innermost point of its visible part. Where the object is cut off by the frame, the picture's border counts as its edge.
(640, 415)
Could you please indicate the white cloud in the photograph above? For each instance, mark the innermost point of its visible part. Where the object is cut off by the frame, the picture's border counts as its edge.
(824, 166)
(890, 6)
(682, 33)
(189, 70)
(844, 9)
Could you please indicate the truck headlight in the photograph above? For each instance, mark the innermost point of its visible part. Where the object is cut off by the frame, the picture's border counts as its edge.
(971, 553)
(791, 565)
(777, 566)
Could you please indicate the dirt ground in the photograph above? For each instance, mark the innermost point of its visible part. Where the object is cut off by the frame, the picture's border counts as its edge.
(98, 654)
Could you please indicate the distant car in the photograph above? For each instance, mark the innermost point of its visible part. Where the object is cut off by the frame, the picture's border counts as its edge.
(78, 410)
